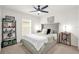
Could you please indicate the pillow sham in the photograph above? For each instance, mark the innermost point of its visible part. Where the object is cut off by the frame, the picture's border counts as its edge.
(44, 31)
(55, 36)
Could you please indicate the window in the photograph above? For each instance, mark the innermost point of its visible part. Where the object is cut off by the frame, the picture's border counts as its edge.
(26, 26)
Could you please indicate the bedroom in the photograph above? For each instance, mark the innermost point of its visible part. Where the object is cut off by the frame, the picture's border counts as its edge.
(65, 15)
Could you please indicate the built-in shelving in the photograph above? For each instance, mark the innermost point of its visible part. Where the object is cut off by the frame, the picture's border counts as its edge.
(8, 31)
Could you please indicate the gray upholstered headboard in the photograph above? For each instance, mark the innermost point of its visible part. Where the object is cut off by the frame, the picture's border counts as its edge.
(54, 27)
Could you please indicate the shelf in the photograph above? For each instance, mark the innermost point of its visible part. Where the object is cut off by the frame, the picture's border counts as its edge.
(8, 39)
(8, 30)
(9, 27)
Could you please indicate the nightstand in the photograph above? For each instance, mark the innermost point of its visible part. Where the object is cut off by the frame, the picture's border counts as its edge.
(65, 38)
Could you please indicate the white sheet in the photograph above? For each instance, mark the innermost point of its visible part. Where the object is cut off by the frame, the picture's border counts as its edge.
(37, 39)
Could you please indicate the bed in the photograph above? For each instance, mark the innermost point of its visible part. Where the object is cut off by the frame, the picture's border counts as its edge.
(40, 39)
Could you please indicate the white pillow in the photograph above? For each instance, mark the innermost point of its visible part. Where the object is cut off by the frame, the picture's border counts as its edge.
(51, 32)
(44, 31)
(55, 36)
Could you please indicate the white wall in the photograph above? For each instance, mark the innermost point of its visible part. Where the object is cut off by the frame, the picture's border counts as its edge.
(34, 19)
(66, 15)
(19, 16)
(0, 29)
(78, 26)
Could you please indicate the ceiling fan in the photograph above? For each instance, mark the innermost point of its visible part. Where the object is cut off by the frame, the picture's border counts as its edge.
(40, 9)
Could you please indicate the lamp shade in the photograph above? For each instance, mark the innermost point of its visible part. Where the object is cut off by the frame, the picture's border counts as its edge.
(37, 27)
(67, 28)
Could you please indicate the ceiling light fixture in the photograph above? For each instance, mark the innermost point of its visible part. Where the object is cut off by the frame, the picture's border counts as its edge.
(38, 12)
(40, 9)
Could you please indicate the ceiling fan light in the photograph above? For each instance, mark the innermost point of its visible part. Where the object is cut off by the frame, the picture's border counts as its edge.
(39, 12)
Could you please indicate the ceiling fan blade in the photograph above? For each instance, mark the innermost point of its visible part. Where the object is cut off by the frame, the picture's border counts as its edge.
(45, 11)
(35, 8)
(33, 11)
(44, 7)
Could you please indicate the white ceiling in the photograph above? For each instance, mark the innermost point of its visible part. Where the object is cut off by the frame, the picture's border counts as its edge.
(28, 8)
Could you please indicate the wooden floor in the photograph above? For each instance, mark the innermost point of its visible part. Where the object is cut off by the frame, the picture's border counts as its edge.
(58, 49)
(63, 49)
(14, 49)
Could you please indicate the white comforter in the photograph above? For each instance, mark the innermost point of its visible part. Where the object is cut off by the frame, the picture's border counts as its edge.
(37, 39)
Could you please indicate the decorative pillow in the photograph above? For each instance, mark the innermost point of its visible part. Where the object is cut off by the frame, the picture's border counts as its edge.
(48, 31)
(44, 31)
(55, 36)
(53, 31)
